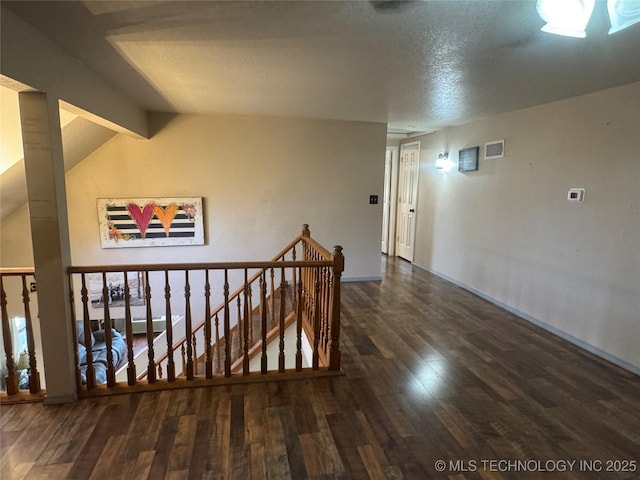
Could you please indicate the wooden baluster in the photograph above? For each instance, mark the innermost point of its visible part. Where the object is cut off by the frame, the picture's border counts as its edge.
(34, 376)
(325, 311)
(299, 324)
(207, 326)
(195, 354)
(263, 322)
(305, 249)
(273, 299)
(160, 370)
(131, 366)
(151, 370)
(247, 322)
(217, 346)
(303, 295)
(294, 282)
(325, 308)
(338, 268)
(307, 295)
(281, 326)
(184, 359)
(239, 330)
(249, 301)
(316, 326)
(88, 337)
(106, 296)
(310, 289)
(328, 319)
(320, 271)
(319, 279)
(311, 305)
(11, 380)
(320, 305)
(74, 333)
(316, 276)
(189, 333)
(227, 330)
(308, 282)
(171, 366)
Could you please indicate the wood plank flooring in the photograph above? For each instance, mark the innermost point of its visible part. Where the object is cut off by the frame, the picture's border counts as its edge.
(432, 373)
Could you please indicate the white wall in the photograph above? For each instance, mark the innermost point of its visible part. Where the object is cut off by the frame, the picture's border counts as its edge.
(261, 178)
(15, 239)
(508, 231)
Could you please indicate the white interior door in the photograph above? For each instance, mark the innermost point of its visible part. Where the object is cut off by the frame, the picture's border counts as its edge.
(407, 199)
(388, 159)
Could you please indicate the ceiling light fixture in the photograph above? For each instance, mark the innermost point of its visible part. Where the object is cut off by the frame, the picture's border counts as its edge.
(570, 17)
(623, 14)
(566, 17)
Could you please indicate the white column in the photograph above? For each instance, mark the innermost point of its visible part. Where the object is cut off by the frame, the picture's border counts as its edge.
(44, 169)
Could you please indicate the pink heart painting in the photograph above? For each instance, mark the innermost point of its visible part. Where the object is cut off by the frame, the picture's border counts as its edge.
(142, 216)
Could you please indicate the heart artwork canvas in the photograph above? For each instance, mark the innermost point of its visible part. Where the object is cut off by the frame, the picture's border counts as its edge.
(150, 222)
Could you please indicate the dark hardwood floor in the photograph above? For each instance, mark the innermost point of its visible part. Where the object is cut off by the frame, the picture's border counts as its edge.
(432, 373)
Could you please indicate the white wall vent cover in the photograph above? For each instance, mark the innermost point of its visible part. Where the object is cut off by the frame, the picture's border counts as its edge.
(494, 149)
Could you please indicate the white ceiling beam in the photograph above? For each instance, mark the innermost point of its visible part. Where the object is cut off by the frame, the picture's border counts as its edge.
(32, 59)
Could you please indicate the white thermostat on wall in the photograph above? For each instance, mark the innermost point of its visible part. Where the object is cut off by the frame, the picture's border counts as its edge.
(576, 195)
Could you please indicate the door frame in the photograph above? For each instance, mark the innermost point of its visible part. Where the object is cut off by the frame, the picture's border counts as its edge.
(393, 200)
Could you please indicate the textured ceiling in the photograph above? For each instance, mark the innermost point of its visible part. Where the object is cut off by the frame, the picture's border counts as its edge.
(417, 66)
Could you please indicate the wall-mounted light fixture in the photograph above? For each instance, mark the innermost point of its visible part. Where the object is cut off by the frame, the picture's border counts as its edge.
(443, 163)
(570, 17)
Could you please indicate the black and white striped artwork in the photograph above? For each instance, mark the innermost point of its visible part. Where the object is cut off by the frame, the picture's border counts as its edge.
(148, 222)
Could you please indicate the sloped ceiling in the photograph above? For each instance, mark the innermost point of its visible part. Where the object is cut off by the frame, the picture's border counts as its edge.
(80, 137)
(10, 135)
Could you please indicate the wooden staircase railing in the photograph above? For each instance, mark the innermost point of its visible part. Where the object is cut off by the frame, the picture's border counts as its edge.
(300, 285)
(20, 377)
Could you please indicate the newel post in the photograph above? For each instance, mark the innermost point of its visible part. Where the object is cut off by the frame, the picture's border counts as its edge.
(338, 268)
(305, 230)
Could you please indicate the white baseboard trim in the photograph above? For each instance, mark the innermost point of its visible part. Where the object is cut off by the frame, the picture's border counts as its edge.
(545, 326)
(361, 279)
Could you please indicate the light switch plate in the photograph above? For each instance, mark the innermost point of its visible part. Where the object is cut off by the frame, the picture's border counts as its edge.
(576, 195)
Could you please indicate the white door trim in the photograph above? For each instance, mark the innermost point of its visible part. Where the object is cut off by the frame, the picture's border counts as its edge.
(391, 189)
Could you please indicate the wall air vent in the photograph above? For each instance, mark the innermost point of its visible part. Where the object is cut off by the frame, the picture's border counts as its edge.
(494, 149)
